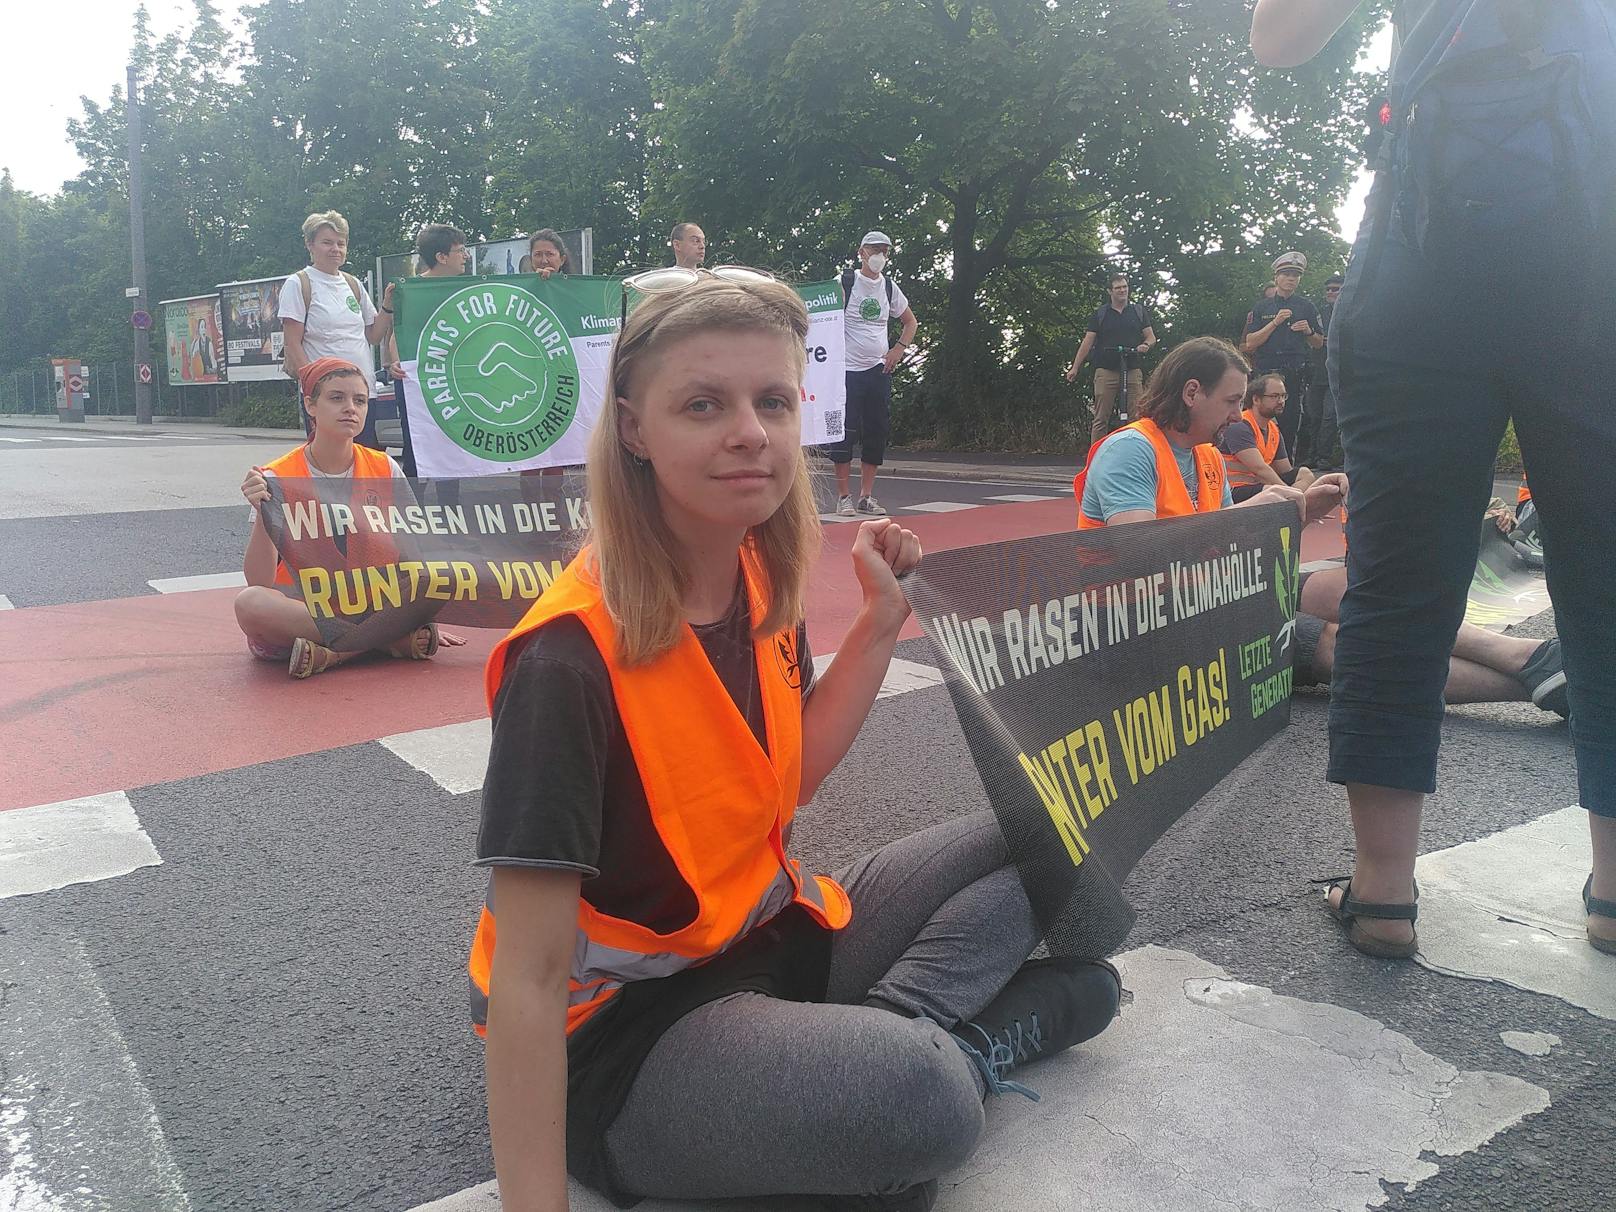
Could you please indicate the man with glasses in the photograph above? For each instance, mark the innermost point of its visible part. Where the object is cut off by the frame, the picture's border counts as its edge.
(689, 244)
(1279, 335)
(870, 301)
(1254, 451)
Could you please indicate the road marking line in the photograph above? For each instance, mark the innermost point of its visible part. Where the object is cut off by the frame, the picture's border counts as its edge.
(207, 580)
(1255, 1133)
(54, 437)
(1508, 908)
(1321, 565)
(940, 507)
(78, 1127)
(5, 603)
(1019, 497)
(50, 846)
(455, 756)
(836, 517)
(22, 439)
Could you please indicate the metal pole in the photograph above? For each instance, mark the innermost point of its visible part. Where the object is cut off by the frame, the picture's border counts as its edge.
(137, 247)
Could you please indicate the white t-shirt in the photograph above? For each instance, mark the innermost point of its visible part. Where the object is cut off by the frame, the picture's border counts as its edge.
(866, 318)
(336, 321)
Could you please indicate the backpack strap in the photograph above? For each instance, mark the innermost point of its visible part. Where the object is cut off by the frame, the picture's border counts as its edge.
(353, 285)
(888, 277)
(307, 286)
(847, 287)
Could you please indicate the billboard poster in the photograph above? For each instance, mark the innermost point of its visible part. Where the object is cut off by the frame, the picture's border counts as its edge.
(195, 340)
(252, 329)
(493, 258)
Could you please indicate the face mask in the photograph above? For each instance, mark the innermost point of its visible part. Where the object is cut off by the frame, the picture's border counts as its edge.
(878, 262)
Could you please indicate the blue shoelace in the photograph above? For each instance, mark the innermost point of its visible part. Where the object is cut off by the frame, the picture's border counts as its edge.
(1002, 1055)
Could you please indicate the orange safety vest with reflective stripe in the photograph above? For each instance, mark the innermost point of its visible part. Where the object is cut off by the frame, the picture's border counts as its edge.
(1267, 434)
(720, 804)
(362, 550)
(1523, 494)
(1172, 498)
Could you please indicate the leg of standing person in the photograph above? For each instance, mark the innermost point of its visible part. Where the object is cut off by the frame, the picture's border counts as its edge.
(1290, 421)
(1309, 433)
(841, 452)
(869, 1092)
(877, 423)
(1567, 427)
(1421, 421)
(1106, 383)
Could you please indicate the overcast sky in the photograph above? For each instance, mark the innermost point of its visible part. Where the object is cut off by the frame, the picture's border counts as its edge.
(63, 50)
(80, 48)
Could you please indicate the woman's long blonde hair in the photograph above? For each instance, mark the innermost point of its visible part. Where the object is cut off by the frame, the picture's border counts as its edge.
(632, 554)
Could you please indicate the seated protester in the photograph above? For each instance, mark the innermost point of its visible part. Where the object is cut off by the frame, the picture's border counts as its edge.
(1253, 448)
(674, 1008)
(1166, 463)
(1485, 667)
(1167, 472)
(278, 627)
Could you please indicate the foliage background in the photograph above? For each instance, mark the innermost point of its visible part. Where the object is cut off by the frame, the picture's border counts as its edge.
(1017, 151)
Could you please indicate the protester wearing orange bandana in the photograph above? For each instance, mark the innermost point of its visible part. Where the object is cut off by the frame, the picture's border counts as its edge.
(278, 627)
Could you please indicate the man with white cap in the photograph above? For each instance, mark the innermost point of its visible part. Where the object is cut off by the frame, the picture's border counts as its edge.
(1279, 335)
(870, 299)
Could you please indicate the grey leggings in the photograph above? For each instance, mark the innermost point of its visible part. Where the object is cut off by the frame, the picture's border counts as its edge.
(751, 1095)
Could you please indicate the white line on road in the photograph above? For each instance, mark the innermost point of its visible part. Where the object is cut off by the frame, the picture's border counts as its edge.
(1017, 498)
(941, 506)
(1508, 908)
(455, 756)
(207, 580)
(72, 842)
(5, 603)
(836, 517)
(78, 1128)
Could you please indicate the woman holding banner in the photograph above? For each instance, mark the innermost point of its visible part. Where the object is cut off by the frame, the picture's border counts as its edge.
(280, 628)
(675, 1008)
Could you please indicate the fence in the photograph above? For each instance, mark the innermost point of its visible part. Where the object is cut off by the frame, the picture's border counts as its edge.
(111, 387)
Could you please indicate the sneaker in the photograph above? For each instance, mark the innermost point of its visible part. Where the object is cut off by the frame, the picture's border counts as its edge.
(1544, 678)
(870, 505)
(1048, 1006)
(918, 1198)
(844, 507)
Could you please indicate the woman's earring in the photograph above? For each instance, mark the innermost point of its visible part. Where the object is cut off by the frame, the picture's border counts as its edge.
(639, 460)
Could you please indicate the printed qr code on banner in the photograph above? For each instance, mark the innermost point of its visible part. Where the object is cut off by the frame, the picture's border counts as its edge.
(833, 424)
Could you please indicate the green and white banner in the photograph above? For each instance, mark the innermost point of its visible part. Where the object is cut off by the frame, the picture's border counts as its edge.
(506, 374)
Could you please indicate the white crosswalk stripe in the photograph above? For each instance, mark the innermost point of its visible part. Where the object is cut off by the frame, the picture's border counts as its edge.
(941, 506)
(207, 580)
(1017, 498)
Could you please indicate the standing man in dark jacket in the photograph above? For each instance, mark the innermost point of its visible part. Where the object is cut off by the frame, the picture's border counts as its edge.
(1281, 332)
(1320, 438)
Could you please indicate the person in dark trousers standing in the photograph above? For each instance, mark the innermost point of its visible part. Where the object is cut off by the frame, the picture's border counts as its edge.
(1319, 441)
(1281, 332)
(1433, 350)
(870, 301)
(1116, 327)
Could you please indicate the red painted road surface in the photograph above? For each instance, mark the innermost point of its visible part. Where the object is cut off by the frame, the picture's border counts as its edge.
(107, 696)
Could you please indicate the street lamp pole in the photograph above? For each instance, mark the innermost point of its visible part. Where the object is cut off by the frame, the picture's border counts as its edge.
(137, 249)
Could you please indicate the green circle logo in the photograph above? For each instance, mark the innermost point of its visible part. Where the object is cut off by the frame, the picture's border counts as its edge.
(353, 303)
(870, 309)
(498, 372)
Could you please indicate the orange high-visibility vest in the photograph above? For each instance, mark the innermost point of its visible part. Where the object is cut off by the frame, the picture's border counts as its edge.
(364, 550)
(1523, 494)
(1172, 498)
(1267, 434)
(720, 804)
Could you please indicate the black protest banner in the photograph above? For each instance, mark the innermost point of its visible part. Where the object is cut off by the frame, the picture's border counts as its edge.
(1107, 679)
(375, 559)
(1505, 590)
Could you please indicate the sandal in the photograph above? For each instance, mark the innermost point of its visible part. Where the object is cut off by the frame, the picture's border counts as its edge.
(1592, 905)
(1350, 910)
(309, 658)
(420, 645)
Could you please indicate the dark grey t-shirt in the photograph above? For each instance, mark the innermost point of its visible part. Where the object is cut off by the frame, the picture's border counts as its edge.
(562, 789)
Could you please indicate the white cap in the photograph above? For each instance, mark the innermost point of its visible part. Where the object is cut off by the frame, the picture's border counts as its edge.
(876, 237)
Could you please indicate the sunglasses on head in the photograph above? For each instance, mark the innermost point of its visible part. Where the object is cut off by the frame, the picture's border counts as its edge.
(677, 277)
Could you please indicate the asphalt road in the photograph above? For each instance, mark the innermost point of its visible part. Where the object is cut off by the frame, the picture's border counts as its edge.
(275, 1016)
